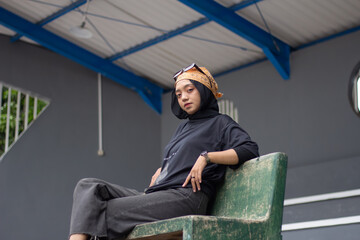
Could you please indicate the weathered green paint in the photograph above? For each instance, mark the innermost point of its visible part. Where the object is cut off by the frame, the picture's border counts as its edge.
(248, 205)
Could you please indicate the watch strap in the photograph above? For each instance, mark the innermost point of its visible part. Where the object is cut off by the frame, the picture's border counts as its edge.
(206, 156)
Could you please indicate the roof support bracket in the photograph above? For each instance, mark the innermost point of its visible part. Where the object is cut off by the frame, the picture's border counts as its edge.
(275, 50)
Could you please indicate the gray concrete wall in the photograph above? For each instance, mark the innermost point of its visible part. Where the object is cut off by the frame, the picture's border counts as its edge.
(38, 175)
(308, 117)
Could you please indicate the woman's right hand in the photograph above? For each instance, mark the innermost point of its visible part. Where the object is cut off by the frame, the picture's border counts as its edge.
(155, 176)
(195, 174)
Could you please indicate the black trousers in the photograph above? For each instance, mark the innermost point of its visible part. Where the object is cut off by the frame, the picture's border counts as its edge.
(108, 210)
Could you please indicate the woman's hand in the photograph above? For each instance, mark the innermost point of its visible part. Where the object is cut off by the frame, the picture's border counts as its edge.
(155, 176)
(195, 174)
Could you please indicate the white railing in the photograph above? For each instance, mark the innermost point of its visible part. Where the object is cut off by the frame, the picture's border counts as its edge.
(18, 109)
(323, 222)
(227, 107)
(322, 197)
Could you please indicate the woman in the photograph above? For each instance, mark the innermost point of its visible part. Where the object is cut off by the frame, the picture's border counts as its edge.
(194, 162)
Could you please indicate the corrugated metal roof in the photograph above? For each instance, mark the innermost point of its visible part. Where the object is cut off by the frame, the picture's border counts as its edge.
(209, 45)
(142, 36)
(300, 22)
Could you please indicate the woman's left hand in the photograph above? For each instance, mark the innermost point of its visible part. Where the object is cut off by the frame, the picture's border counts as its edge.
(155, 176)
(195, 174)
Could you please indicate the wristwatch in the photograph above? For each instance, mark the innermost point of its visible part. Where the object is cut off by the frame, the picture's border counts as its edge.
(205, 155)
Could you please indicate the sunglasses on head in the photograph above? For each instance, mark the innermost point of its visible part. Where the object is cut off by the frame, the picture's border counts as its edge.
(193, 65)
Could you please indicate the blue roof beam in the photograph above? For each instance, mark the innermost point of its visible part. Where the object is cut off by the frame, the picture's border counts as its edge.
(275, 50)
(53, 16)
(176, 32)
(151, 93)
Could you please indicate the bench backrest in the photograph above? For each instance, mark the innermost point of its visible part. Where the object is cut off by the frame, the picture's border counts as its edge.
(254, 191)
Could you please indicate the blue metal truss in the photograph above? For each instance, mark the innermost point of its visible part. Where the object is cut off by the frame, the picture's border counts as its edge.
(151, 93)
(275, 50)
(306, 45)
(54, 16)
(176, 32)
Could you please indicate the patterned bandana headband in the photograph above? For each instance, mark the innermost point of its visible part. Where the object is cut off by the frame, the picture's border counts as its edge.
(199, 74)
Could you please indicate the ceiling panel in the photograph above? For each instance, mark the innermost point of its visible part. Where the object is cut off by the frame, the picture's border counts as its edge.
(122, 25)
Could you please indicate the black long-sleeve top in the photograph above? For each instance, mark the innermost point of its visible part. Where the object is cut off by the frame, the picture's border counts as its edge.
(217, 133)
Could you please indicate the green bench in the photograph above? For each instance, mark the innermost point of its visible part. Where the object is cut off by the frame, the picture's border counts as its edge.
(248, 205)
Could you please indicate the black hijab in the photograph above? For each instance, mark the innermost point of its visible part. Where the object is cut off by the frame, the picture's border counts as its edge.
(208, 106)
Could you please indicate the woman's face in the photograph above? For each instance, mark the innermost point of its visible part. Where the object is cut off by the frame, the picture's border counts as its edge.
(188, 96)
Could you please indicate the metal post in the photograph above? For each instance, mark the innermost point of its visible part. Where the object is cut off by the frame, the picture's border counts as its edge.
(236, 115)
(1, 90)
(35, 108)
(227, 105)
(17, 115)
(100, 150)
(222, 106)
(358, 92)
(26, 111)
(8, 120)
